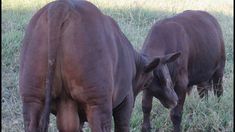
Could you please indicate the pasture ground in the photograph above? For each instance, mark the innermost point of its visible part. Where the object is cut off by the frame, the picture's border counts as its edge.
(135, 18)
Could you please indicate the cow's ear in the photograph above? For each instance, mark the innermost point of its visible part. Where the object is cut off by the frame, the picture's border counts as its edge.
(170, 57)
(152, 65)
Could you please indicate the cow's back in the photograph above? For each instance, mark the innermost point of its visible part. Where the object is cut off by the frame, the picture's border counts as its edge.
(102, 54)
(197, 35)
(85, 49)
(206, 45)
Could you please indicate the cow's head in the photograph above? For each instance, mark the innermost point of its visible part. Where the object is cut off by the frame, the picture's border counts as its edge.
(144, 75)
(162, 86)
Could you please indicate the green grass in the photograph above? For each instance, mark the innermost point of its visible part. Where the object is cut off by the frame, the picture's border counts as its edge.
(135, 19)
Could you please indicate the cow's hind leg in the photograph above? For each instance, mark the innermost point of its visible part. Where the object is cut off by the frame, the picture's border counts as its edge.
(67, 117)
(100, 116)
(122, 115)
(218, 83)
(203, 88)
(31, 112)
(81, 126)
(147, 100)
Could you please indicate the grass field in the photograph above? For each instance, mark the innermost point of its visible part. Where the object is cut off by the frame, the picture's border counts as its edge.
(135, 18)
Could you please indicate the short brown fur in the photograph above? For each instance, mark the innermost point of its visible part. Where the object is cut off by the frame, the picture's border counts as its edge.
(77, 64)
(198, 37)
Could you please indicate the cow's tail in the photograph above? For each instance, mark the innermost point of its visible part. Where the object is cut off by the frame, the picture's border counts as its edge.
(58, 12)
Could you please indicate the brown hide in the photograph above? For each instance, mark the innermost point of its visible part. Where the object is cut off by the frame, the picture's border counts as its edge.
(198, 37)
(77, 64)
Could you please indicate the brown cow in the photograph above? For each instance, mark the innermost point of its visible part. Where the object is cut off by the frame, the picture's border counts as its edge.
(77, 64)
(198, 36)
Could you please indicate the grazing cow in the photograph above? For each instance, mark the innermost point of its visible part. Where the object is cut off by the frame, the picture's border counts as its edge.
(77, 64)
(198, 36)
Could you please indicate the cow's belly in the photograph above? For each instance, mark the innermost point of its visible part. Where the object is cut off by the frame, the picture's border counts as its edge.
(198, 78)
(200, 74)
(203, 63)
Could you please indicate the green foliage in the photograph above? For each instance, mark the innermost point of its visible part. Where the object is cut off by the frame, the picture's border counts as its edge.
(135, 19)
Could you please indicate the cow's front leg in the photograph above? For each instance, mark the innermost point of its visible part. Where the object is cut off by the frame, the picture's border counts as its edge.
(176, 113)
(122, 114)
(147, 100)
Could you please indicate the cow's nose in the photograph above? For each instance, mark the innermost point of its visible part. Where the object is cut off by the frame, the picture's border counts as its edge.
(175, 102)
